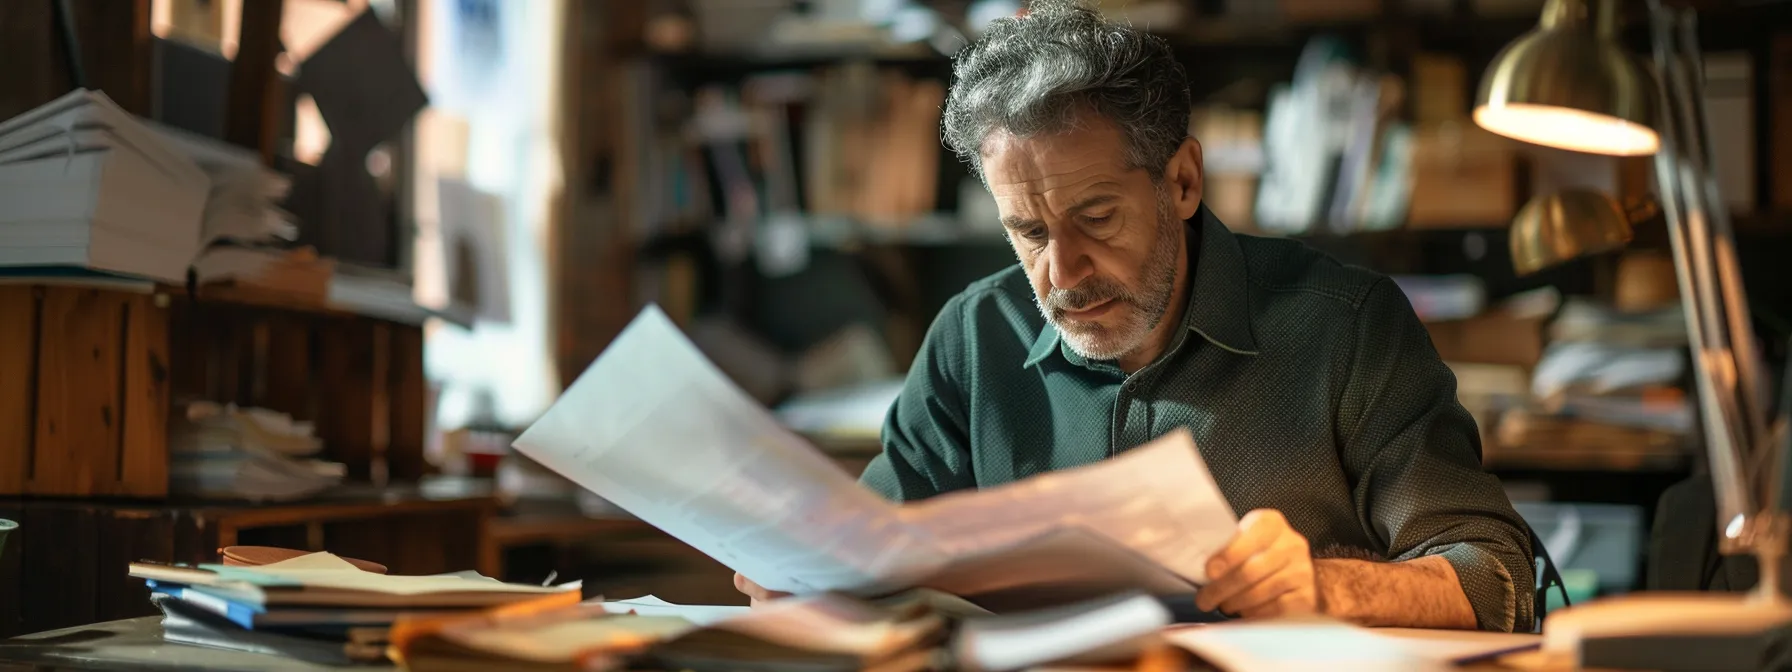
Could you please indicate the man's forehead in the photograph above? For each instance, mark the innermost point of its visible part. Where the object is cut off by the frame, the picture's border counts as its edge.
(1052, 165)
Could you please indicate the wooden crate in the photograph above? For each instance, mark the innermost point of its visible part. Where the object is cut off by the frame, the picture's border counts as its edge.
(89, 379)
(83, 392)
(359, 379)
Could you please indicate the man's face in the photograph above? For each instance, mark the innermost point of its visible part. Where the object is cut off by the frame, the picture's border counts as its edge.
(1098, 239)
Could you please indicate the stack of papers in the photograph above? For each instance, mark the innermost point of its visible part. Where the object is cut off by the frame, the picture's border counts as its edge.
(253, 454)
(246, 234)
(86, 184)
(241, 204)
(655, 428)
(821, 632)
(315, 607)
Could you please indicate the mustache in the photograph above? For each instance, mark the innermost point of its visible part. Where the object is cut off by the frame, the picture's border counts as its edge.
(1087, 293)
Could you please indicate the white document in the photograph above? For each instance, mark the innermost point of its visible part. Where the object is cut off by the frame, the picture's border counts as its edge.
(1158, 500)
(1105, 630)
(697, 614)
(658, 430)
(1306, 644)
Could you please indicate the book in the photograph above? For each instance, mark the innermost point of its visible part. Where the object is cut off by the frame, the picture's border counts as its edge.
(253, 616)
(750, 493)
(322, 579)
(182, 623)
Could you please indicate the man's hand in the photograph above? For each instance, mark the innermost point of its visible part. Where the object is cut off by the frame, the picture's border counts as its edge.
(1266, 571)
(755, 593)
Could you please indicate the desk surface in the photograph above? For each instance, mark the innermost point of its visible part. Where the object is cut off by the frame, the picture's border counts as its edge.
(136, 644)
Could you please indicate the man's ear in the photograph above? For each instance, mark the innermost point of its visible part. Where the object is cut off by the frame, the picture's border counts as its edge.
(1183, 177)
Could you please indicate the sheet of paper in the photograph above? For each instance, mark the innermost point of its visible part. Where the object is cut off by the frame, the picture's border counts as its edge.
(1061, 567)
(699, 614)
(324, 570)
(1274, 646)
(1460, 646)
(1158, 500)
(1109, 626)
(655, 428)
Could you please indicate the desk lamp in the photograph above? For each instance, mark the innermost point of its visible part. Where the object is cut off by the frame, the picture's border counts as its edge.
(1569, 84)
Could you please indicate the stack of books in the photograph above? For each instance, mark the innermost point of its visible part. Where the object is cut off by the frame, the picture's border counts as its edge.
(317, 607)
(85, 184)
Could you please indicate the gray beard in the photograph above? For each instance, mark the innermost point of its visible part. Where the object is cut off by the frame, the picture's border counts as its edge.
(1144, 309)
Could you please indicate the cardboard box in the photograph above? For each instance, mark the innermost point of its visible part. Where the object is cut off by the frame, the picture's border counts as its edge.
(1494, 337)
(1463, 177)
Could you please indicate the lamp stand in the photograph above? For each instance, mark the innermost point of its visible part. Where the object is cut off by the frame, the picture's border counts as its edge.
(1703, 631)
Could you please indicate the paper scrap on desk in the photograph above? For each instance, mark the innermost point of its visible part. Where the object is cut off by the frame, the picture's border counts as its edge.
(326, 570)
(1304, 644)
(1461, 646)
(699, 614)
(655, 428)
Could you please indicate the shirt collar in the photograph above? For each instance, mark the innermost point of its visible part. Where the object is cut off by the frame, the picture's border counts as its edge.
(1218, 307)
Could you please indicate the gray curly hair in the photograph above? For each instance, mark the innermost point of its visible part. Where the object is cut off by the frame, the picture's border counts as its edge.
(1034, 74)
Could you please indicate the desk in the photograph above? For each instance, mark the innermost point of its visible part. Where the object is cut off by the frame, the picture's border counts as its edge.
(136, 644)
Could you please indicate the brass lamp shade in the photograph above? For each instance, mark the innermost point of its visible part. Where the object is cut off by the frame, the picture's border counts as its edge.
(1567, 224)
(1568, 84)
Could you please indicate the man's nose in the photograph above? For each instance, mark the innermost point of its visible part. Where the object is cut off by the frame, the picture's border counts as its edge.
(1068, 263)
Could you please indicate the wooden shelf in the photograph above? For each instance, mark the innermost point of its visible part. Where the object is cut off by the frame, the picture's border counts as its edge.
(399, 310)
(76, 553)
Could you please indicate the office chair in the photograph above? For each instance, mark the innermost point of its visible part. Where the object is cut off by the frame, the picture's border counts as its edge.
(1548, 575)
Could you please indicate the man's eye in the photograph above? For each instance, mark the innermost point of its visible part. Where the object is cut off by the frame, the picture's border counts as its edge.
(1099, 219)
(1033, 234)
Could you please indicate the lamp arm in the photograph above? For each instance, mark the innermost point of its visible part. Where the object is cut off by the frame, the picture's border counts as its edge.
(1725, 361)
(1751, 377)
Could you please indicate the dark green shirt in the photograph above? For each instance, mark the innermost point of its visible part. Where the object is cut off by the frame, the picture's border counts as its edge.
(1310, 386)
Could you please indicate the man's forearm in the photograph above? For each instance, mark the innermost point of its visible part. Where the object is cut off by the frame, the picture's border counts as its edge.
(1421, 593)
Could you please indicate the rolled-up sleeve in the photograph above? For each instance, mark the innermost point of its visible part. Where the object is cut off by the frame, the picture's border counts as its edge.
(1413, 456)
(926, 435)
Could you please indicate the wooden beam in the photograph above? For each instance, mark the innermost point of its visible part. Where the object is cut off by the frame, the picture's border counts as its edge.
(144, 441)
(18, 383)
(80, 416)
(253, 115)
(114, 45)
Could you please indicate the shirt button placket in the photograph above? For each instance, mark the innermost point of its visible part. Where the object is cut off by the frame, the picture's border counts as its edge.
(1117, 422)
(1130, 418)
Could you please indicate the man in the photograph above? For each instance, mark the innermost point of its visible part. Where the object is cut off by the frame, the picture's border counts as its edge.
(1311, 388)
